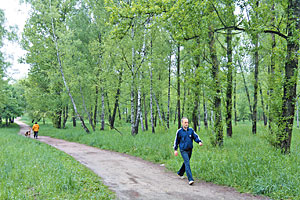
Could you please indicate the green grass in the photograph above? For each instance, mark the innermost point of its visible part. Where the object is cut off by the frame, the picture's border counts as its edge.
(247, 162)
(33, 170)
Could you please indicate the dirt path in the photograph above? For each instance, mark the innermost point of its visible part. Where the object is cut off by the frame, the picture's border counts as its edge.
(134, 178)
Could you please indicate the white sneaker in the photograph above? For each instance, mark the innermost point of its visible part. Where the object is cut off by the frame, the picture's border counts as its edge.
(191, 182)
(181, 177)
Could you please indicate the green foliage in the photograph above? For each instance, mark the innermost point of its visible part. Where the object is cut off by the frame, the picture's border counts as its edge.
(246, 162)
(33, 170)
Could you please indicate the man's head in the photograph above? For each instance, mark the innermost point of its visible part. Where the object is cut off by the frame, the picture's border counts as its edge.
(185, 122)
(35, 122)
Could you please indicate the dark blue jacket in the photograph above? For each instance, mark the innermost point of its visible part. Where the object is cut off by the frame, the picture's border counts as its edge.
(184, 138)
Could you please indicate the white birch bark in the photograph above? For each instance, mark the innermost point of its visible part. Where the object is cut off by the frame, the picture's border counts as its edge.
(63, 76)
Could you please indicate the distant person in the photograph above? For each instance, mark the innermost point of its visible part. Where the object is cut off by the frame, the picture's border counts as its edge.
(184, 138)
(35, 129)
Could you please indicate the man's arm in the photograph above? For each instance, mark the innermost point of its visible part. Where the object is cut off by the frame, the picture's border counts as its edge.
(196, 138)
(176, 141)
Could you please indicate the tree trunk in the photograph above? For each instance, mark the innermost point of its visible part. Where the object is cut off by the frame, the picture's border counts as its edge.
(199, 117)
(132, 121)
(112, 120)
(178, 87)
(218, 129)
(66, 115)
(158, 110)
(64, 80)
(234, 98)
(108, 106)
(138, 112)
(169, 92)
(271, 78)
(103, 110)
(85, 109)
(229, 84)
(246, 88)
(141, 114)
(146, 113)
(194, 113)
(254, 114)
(297, 108)
(212, 120)
(290, 79)
(74, 118)
(205, 114)
(263, 105)
(96, 106)
(56, 120)
(184, 97)
(151, 92)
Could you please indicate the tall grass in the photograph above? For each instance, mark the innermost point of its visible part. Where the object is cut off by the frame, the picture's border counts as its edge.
(33, 170)
(247, 162)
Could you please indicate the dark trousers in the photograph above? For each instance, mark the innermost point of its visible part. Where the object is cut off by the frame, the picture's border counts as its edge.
(186, 155)
(35, 134)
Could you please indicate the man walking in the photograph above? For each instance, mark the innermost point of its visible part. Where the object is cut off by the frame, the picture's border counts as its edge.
(35, 129)
(184, 138)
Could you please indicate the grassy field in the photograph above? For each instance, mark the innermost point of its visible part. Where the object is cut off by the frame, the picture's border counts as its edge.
(33, 170)
(247, 162)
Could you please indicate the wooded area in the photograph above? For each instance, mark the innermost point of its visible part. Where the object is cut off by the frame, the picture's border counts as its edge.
(149, 63)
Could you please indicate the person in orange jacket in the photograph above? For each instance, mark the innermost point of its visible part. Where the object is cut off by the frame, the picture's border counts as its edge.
(35, 129)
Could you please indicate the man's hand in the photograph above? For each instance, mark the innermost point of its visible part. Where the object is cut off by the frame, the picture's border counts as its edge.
(200, 144)
(175, 153)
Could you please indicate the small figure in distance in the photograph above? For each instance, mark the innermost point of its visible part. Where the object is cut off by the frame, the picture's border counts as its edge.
(35, 129)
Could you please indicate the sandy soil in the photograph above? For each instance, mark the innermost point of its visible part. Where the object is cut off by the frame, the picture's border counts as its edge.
(133, 178)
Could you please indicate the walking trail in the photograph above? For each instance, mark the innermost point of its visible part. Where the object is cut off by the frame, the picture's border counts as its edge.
(133, 178)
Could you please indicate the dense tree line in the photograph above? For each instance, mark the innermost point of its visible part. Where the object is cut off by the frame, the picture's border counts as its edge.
(11, 98)
(149, 63)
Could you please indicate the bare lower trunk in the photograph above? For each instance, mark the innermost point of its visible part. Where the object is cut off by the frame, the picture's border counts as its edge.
(112, 120)
(297, 106)
(85, 109)
(141, 113)
(246, 88)
(146, 113)
(194, 114)
(205, 114)
(263, 105)
(96, 106)
(199, 117)
(74, 119)
(103, 110)
(138, 113)
(158, 110)
(212, 119)
(66, 115)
